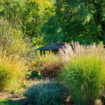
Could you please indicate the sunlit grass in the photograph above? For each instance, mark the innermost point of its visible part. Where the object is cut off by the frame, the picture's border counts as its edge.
(8, 102)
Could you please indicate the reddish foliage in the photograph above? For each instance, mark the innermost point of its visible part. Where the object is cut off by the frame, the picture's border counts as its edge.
(50, 69)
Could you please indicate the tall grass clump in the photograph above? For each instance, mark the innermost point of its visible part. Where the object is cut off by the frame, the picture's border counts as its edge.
(74, 50)
(84, 72)
(12, 72)
(48, 64)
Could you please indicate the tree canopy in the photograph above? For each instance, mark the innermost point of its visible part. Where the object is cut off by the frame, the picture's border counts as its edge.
(47, 21)
(78, 20)
(28, 15)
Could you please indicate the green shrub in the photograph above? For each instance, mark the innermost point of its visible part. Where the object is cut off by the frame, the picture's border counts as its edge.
(85, 76)
(49, 65)
(46, 94)
(13, 41)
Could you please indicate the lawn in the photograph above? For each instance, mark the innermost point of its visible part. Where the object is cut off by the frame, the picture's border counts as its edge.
(8, 102)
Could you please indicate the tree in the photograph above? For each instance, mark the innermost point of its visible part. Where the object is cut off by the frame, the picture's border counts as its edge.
(11, 10)
(28, 15)
(36, 13)
(79, 20)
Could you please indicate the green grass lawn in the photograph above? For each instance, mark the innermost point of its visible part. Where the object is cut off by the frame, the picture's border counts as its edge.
(8, 102)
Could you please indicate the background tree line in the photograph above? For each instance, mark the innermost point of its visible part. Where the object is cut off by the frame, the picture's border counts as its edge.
(47, 21)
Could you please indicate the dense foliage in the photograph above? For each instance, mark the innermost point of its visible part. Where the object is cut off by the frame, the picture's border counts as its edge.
(78, 20)
(57, 20)
(28, 15)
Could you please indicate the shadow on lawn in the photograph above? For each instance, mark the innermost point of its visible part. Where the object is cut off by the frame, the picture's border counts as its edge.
(21, 101)
(8, 102)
